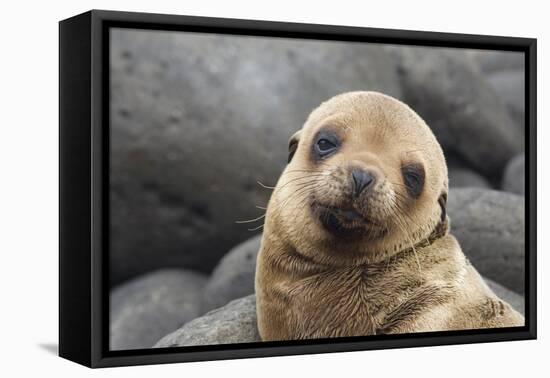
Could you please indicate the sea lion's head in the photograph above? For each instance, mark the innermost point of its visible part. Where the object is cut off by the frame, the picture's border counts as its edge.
(366, 179)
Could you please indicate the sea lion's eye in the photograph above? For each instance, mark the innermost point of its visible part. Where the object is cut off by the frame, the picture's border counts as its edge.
(325, 144)
(413, 176)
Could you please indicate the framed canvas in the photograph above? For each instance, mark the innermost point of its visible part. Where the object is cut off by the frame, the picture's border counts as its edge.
(234, 188)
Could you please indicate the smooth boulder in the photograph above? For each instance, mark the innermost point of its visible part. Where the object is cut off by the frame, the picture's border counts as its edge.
(468, 117)
(460, 177)
(493, 61)
(148, 307)
(490, 227)
(234, 323)
(233, 277)
(197, 119)
(510, 86)
(514, 176)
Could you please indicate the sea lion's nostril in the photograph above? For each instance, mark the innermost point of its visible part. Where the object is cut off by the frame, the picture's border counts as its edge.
(361, 180)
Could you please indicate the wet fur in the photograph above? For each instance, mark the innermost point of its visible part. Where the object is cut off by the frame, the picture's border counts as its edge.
(413, 278)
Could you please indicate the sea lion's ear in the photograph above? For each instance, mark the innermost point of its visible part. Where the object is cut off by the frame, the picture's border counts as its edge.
(293, 144)
(442, 200)
(443, 226)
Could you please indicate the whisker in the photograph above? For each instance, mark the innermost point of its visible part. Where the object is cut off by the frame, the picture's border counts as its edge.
(297, 179)
(411, 244)
(256, 228)
(397, 184)
(304, 189)
(301, 190)
(411, 151)
(251, 220)
(405, 214)
(398, 222)
(265, 186)
(303, 171)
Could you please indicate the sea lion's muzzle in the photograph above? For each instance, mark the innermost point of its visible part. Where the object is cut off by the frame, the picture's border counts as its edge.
(346, 211)
(362, 179)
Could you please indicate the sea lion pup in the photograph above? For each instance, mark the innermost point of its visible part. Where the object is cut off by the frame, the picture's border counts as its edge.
(356, 237)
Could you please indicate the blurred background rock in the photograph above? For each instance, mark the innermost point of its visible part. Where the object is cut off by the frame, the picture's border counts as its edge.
(197, 120)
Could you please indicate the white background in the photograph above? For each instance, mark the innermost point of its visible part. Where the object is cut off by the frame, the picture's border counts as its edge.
(29, 187)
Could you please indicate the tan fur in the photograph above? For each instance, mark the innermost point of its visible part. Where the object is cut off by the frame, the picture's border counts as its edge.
(407, 274)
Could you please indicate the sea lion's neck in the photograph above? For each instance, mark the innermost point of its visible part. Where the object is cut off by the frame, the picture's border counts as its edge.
(440, 230)
(291, 260)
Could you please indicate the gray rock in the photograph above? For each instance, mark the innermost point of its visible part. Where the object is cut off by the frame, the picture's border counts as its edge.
(232, 324)
(510, 86)
(148, 307)
(463, 110)
(236, 322)
(513, 299)
(505, 72)
(514, 175)
(460, 177)
(490, 226)
(197, 120)
(233, 277)
(490, 61)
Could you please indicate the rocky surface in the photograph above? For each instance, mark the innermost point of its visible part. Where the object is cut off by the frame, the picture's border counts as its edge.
(510, 86)
(237, 322)
(233, 277)
(464, 111)
(513, 299)
(231, 324)
(148, 307)
(491, 61)
(505, 72)
(197, 120)
(460, 177)
(490, 226)
(514, 175)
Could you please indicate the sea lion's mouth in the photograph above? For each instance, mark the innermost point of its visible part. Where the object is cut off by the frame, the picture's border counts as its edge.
(346, 222)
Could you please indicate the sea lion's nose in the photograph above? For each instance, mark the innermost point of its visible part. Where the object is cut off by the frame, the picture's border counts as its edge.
(362, 180)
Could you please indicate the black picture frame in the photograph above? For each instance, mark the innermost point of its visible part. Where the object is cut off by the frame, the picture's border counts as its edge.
(83, 181)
